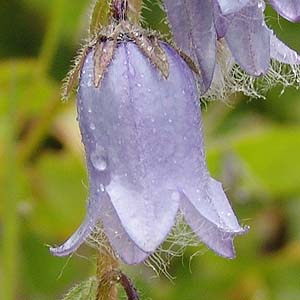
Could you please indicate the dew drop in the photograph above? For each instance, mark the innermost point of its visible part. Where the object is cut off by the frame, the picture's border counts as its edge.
(175, 196)
(98, 158)
(92, 126)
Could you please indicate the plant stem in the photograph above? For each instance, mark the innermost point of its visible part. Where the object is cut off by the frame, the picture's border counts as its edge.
(52, 36)
(41, 126)
(106, 265)
(10, 188)
(134, 11)
(48, 50)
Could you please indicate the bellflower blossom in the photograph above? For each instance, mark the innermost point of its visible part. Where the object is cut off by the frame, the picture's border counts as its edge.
(220, 35)
(140, 120)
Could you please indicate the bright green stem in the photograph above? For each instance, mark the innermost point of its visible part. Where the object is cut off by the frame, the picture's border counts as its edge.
(9, 196)
(100, 16)
(52, 36)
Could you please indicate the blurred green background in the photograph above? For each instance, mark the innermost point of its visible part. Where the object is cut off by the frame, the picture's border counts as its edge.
(253, 148)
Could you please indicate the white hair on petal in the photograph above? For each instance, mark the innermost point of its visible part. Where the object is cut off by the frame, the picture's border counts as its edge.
(175, 245)
(229, 78)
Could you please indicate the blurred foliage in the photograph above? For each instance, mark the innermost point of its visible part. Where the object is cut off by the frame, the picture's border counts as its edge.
(253, 147)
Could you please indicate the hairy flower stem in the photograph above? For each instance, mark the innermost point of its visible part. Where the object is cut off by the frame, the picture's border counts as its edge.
(127, 9)
(106, 264)
(105, 12)
(134, 10)
(109, 275)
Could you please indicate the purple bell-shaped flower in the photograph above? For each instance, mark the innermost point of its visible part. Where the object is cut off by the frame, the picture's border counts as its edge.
(145, 155)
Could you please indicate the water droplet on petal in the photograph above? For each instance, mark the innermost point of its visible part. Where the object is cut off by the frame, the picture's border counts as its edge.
(92, 126)
(98, 158)
(175, 196)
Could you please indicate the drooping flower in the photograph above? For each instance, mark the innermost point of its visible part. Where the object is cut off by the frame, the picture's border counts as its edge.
(222, 34)
(141, 128)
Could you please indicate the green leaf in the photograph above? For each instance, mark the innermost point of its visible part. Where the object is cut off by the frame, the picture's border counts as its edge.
(272, 155)
(100, 16)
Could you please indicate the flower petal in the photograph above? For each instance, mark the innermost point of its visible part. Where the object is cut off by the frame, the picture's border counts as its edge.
(281, 52)
(131, 130)
(289, 9)
(221, 21)
(232, 6)
(118, 237)
(85, 229)
(209, 214)
(194, 33)
(249, 41)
